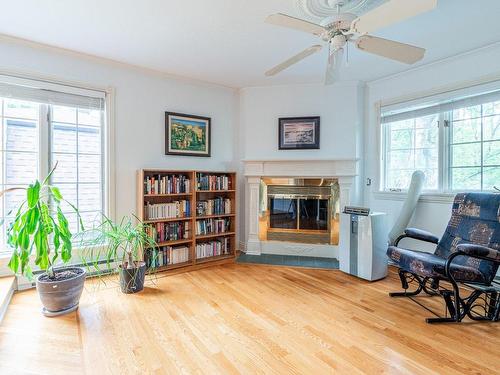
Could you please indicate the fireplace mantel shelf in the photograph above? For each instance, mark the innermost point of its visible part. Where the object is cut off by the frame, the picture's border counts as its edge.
(301, 167)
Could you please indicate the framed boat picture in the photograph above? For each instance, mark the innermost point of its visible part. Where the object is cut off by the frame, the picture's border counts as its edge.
(298, 133)
(187, 135)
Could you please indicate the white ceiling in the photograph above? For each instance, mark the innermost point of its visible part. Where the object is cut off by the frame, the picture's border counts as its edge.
(227, 41)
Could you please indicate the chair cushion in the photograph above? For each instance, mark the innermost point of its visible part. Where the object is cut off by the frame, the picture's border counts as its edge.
(431, 265)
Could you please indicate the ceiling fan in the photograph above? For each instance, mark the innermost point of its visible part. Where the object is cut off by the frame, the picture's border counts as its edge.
(342, 28)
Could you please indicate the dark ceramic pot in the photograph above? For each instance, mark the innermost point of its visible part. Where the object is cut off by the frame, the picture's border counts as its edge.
(132, 279)
(61, 296)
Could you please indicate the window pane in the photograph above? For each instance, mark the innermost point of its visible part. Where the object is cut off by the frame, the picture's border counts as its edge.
(63, 137)
(426, 158)
(13, 200)
(467, 113)
(21, 109)
(466, 155)
(21, 167)
(491, 126)
(21, 135)
(66, 168)
(491, 153)
(492, 108)
(426, 137)
(466, 178)
(466, 131)
(91, 219)
(401, 159)
(491, 178)
(89, 117)
(89, 168)
(89, 197)
(89, 140)
(401, 139)
(63, 114)
(68, 191)
(399, 179)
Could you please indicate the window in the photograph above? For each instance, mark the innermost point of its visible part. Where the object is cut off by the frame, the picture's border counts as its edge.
(40, 128)
(455, 142)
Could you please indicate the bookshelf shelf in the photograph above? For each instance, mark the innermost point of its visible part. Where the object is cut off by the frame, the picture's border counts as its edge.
(214, 216)
(214, 235)
(167, 195)
(202, 192)
(167, 220)
(215, 191)
(175, 242)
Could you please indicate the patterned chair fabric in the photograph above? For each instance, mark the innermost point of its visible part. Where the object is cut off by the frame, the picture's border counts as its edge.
(475, 219)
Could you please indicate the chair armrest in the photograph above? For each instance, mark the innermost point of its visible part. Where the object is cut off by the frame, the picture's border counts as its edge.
(418, 234)
(479, 251)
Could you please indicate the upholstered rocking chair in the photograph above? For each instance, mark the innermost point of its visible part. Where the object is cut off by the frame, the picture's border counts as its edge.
(466, 258)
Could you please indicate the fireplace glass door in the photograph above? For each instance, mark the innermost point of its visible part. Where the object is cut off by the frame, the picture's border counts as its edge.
(283, 213)
(302, 214)
(313, 214)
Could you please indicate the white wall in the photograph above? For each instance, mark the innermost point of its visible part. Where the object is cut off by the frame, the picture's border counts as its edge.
(141, 99)
(465, 70)
(338, 105)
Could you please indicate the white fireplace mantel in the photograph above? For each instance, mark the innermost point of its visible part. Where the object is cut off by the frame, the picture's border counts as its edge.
(344, 170)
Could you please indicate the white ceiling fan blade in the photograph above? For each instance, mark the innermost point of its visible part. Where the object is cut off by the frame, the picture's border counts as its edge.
(293, 60)
(404, 53)
(333, 68)
(295, 23)
(389, 13)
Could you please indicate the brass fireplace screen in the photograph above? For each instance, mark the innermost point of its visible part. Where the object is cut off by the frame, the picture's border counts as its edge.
(300, 210)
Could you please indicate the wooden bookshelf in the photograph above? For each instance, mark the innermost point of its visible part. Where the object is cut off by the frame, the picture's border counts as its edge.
(215, 193)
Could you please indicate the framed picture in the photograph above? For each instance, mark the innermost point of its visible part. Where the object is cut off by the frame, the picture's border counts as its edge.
(187, 135)
(298, 133)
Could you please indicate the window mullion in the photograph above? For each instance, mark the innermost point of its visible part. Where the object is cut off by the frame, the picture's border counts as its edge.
(444, 151)
(44, 142)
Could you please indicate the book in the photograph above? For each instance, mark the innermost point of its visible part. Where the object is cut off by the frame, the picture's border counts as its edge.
(172, 210)
(166, 184)
(212, 226)
(161, 232)
(213, 182)
(216, 206)
(166, 255)
(213, 248)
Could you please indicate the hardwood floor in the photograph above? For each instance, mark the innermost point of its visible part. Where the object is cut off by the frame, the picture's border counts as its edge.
(244, 319)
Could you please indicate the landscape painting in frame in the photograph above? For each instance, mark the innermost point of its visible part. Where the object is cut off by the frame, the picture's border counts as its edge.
(298, 133)
(187, 135)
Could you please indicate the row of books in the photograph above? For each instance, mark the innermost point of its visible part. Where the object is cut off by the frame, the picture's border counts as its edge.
(162, 232)
(173, 210)
(166, 255)
(213, 182)
(208, 226)
(212, 248)
(169, 184)
(216, 206)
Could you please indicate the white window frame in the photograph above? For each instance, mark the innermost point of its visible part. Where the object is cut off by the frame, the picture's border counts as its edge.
(107, 144)
(444, 193)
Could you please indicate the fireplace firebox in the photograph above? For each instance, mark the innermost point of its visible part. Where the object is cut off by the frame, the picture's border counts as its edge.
(301, 210)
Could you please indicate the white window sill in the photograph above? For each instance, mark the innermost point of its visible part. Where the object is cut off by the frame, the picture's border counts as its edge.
(444, 198)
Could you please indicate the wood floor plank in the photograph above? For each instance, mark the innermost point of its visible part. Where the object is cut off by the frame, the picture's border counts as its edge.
(250, 319)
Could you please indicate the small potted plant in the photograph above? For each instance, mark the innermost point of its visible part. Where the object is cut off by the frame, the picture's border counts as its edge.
(125, 244)
(40, 226)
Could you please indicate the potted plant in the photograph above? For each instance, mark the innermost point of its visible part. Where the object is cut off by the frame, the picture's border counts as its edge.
(40, 226)
(125, 244)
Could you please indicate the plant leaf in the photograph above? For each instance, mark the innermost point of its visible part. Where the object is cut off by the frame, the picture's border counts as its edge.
(33, 194)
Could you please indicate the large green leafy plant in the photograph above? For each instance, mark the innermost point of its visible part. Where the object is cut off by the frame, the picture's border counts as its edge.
(40, 226)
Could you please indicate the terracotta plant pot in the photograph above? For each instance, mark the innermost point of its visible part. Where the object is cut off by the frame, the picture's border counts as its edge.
(132, 279)
(61, 295)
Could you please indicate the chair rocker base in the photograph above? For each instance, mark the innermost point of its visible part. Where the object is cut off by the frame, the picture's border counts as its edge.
(480, 305)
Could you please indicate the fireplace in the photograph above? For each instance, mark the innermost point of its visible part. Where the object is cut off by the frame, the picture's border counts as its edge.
(300, 210)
